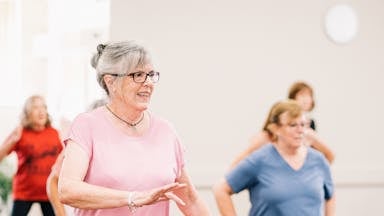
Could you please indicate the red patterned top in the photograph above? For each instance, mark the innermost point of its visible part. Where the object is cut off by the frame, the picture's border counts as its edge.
(36, 153)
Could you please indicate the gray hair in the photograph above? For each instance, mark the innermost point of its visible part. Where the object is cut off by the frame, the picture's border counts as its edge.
(97, 103)
(118, 58)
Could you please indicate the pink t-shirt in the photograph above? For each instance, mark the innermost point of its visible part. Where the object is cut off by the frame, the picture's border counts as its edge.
(119, 161)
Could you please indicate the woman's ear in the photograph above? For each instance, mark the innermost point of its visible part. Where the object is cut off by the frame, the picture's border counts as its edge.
(108, 80)
(273, 128)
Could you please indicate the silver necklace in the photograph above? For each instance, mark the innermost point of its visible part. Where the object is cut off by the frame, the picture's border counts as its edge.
(133, 125)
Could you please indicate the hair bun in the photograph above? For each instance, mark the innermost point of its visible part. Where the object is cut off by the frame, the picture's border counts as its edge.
(100, 48)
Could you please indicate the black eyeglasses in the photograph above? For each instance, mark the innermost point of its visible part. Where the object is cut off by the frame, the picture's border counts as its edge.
(141, 76)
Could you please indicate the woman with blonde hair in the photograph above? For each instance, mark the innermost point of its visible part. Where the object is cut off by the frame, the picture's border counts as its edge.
(285, 176)
(37, 145)
(303, 94)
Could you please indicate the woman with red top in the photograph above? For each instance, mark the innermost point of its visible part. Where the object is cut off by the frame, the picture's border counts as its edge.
(37, 146)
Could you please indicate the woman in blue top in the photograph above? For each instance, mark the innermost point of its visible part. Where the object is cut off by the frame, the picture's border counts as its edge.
(304, 95)
(284, 177)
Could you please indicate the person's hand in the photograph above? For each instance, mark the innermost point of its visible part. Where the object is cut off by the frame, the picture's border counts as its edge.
(310, 136)
(155, 195)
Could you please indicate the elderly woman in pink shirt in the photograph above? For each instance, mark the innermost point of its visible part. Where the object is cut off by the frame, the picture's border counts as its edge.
(121, 158)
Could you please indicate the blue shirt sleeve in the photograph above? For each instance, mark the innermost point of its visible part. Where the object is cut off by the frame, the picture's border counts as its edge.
(244, 175)
(328, 182)
(241, 177)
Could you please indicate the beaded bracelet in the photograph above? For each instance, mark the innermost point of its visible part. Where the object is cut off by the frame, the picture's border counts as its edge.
(131, 205)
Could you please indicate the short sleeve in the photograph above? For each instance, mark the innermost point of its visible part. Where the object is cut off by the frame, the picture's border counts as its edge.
(242, 176)
(80, 133)
(179, 153)
(328, 182)
(179, 148)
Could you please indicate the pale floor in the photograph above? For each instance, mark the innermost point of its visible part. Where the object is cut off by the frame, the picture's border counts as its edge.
(350, 202)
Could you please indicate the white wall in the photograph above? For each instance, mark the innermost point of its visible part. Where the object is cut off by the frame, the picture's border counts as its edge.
(48, 45)
(53, 42)
(223, 63)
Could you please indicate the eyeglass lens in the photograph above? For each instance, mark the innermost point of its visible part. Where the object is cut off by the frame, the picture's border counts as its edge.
(141, 77)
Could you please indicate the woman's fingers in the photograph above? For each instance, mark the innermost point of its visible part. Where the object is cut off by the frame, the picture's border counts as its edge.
(162, 193)
(175, 198)
(172, 187)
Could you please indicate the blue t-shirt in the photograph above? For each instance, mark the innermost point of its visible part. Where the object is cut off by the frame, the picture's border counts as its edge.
(276, 189)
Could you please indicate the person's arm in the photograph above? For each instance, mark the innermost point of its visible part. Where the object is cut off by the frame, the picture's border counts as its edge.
(75, 192)
(256, 142)
(52, 184)
(10, 142)
(193, 204)
(52, 192)
(330, 206)
(222, 192)
(315, 142)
